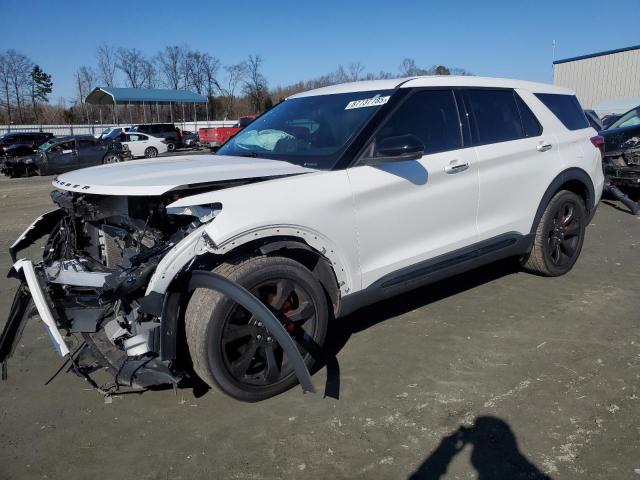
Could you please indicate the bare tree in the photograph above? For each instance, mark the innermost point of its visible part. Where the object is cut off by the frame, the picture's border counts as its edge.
(19, 68)
(5, 82)
(255, 85)
(354, 70)
(106, 56)
(170, 63)
(85, 81)
(234, 75)
(408, 68)
(150, 78)
(133, 64)
(210, 68)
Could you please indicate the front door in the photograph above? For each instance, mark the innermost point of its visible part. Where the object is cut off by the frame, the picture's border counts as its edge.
(62, 157)
(412, 211)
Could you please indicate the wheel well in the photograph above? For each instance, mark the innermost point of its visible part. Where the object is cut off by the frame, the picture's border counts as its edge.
(298, 250)
(580, 189)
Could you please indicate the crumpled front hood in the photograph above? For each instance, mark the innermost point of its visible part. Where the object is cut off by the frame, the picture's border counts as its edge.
(159, 175)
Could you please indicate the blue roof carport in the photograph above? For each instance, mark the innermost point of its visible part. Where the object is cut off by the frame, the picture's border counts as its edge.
(142, 96)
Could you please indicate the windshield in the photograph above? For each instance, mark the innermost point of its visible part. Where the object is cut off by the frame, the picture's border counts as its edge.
(46, 145)
(309, 131)
(629, 119)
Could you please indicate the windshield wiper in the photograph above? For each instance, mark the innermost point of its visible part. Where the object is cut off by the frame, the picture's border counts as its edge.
(248, 154)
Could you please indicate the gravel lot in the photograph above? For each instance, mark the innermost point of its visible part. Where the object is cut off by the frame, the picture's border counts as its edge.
(482, 375)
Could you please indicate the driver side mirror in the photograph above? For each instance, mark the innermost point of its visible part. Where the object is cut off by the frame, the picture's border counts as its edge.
(400, 148)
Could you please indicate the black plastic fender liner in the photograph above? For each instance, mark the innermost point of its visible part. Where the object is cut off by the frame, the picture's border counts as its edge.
(240, 295)
(15, 326)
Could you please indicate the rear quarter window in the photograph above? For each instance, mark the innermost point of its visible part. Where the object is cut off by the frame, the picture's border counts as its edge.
(566, 108)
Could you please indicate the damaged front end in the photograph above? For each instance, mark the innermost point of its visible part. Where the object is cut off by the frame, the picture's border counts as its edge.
(99, 257)
(622, 173)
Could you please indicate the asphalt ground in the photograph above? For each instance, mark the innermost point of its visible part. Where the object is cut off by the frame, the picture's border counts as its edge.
(491, 374)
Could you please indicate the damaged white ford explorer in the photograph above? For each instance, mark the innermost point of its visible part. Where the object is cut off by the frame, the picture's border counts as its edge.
(335, 198)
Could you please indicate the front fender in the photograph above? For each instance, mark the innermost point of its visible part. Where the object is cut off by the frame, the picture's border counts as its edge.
(316, 240)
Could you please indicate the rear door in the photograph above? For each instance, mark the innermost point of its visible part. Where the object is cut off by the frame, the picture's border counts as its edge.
(409, 212)
(516, 159)
(135, 142)
(90, 152)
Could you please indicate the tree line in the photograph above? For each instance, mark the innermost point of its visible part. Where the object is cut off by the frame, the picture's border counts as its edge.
(232, 90)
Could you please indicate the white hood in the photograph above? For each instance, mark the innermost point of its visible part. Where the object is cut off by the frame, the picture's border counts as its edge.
(159, 175)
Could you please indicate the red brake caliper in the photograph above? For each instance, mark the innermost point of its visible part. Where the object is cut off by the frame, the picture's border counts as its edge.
(286, 308)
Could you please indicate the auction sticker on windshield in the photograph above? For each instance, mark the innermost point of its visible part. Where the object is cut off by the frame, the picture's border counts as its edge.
(367, 102)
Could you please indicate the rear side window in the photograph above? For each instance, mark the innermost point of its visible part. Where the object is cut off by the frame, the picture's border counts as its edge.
(494, 116)
(431, 115)
(566, 108)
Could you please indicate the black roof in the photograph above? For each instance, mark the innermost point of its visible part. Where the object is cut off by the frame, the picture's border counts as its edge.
(599, 54)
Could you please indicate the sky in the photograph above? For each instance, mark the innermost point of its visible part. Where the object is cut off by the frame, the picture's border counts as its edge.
(301, 39)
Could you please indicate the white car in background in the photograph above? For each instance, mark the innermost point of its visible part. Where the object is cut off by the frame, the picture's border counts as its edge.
(143, 145)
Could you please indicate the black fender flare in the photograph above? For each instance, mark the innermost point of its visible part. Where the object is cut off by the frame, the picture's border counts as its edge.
(239, 294)
(573, 173)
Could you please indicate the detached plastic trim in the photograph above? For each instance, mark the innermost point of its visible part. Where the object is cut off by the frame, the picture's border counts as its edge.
(239, 294)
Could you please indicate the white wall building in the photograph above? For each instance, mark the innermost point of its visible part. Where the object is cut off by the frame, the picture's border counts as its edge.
(601, 77)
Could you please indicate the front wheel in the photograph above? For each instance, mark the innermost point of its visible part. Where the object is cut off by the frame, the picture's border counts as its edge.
(150, 152)
(171, 146)
(232, 351)
(559, 236)
(111, 158)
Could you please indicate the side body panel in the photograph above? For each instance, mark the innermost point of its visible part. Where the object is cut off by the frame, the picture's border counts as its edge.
(408, 212)
(316, 208)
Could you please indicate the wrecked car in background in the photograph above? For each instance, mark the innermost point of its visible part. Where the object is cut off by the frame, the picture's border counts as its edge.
(21, 143)
(62, 154)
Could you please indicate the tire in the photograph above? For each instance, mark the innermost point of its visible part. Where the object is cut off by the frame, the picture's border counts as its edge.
(111, 158)
(559, 236)
(150, 152)
(171, 146)
(230, 352)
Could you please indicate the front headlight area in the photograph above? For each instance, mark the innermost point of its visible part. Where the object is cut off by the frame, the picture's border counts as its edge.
(204, 213)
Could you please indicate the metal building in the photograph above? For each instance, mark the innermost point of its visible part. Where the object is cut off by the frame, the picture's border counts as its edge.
(600, 77)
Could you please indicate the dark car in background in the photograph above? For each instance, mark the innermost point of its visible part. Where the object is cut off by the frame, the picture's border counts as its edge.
(65, 153)
(168, 131)
(623, 129)
(22, 143)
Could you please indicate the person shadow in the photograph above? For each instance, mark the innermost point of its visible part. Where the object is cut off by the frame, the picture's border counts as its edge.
(495, 454)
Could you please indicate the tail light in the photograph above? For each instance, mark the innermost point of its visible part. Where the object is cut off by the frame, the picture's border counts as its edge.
(598, 142)
(163, 141)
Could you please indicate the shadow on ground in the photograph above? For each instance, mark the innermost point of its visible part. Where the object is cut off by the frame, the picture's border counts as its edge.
(495, 454)
(341, 330)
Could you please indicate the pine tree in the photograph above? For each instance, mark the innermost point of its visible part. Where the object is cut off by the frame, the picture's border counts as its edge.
(41, 87)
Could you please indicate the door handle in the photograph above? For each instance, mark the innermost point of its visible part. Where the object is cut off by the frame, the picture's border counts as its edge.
(543, 147)
(455, 167)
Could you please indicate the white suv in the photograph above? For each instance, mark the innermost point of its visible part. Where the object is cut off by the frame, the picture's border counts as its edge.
(334, 199)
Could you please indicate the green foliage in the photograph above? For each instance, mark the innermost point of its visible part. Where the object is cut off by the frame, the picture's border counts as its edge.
(41, 84)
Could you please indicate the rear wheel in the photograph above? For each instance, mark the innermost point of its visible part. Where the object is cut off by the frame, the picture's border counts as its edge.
(151, 152)
(232, 351)
(111, 158)
(559, 236)
(171, 146)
